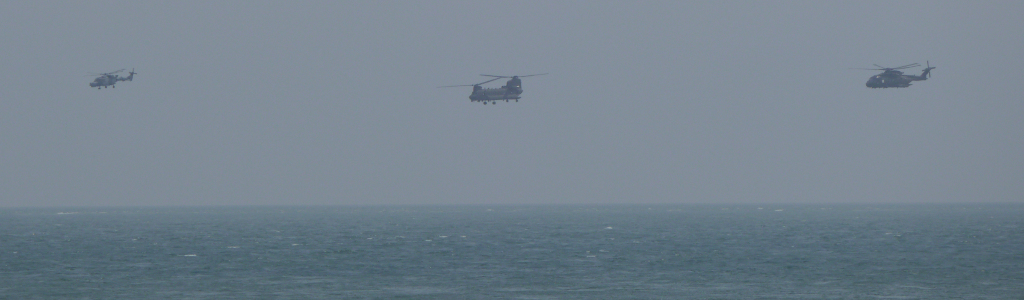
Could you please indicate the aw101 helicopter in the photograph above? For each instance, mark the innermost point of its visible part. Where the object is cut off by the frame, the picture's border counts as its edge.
(893, 78)
(109, 79)
(510, 91)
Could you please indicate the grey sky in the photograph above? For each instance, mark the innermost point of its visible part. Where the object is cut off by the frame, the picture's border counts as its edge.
(291, 102)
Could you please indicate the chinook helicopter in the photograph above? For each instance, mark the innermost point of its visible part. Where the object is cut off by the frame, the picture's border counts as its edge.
(894, 78)
(109, 79)
(510, 91)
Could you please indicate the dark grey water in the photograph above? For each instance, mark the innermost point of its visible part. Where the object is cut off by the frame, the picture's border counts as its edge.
(510, 252)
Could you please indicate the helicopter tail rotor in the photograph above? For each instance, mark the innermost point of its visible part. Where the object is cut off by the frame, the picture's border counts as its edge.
(927, 73)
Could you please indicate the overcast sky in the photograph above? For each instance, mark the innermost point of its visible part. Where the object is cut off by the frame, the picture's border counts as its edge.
(335, 102)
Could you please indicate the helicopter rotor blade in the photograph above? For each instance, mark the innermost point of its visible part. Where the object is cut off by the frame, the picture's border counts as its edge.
(520, 76)
(487, 81)
(107, 73)
(907, 66)
(533, 75)
(896, 68)
(470, 84)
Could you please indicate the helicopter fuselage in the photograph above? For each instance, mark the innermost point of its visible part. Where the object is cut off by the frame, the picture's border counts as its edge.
(105, 80)
(502, 93)
(882, 81)
(889, 81)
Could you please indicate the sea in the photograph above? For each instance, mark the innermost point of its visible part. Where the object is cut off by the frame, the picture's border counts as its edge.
(706, 251)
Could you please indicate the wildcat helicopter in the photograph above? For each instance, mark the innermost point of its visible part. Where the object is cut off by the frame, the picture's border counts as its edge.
(894, 78)
(510, 91)
(109, 79)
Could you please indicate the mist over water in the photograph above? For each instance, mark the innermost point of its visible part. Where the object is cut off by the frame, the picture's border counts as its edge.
(932, 251)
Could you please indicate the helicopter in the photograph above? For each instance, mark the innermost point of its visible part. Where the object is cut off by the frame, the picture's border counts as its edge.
(894, 78)
(109, 79)
(510, 91)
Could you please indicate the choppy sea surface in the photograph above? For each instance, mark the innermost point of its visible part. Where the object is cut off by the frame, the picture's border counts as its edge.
(946, 251)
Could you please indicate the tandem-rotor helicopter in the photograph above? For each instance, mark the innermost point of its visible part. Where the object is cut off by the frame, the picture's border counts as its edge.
(893, 78)
(109, 79)
(510, 91)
